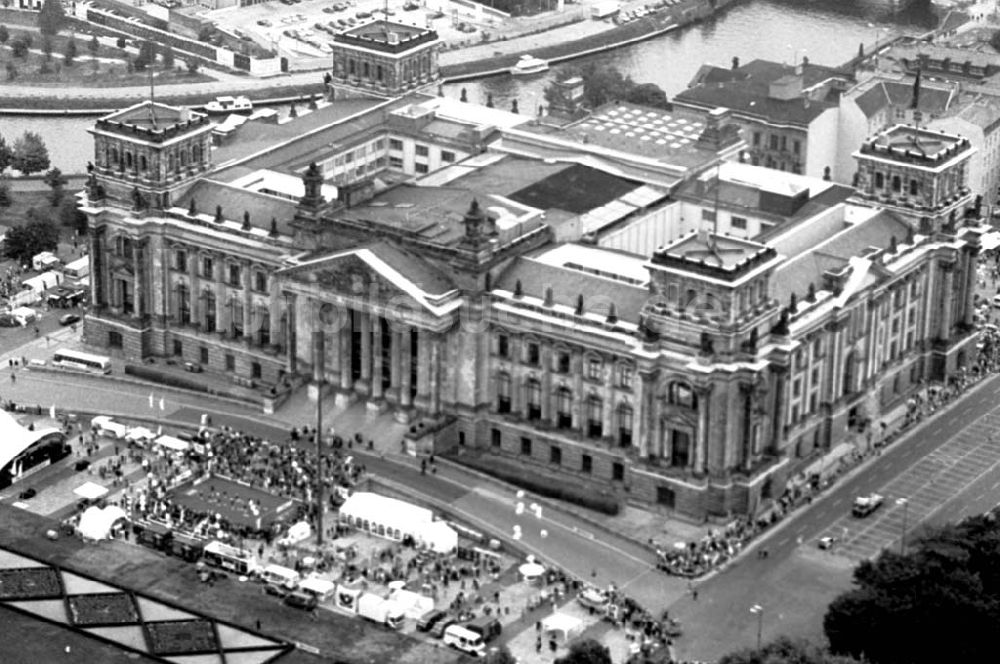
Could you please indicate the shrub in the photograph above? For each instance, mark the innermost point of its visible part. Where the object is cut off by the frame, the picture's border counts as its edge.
(164, 378)
(544, 486)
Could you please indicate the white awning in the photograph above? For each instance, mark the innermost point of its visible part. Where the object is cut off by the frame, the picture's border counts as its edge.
(90, 491)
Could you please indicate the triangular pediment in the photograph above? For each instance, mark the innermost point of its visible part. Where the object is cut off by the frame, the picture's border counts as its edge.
(381, 275)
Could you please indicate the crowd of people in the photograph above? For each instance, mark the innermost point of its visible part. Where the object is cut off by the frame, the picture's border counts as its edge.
(718, 546)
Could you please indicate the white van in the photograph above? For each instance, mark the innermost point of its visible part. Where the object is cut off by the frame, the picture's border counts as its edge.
(465, 640)
(280, 576)
(105, 426)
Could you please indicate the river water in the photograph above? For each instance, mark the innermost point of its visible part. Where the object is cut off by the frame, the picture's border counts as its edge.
(827, 31)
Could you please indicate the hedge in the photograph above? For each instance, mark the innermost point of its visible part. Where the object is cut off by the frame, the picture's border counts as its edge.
(165, 378)
(547, 487)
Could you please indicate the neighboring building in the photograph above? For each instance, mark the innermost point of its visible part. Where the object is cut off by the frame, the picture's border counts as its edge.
(788, 115)
(919, 173)
(881, 102)
(678, 373)
(944, 62)
(385, 58)
(979, 121)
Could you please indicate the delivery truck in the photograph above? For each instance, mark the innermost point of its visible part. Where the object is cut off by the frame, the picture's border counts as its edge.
(380, 610)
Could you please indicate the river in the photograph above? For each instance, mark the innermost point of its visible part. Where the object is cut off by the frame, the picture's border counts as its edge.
(827, 31)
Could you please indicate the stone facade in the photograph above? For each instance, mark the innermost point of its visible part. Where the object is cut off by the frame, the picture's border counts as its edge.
(384, 58)
(685, 379)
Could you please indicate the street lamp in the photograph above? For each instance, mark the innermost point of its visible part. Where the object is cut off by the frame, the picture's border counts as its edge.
(902, 539)
(758, 610)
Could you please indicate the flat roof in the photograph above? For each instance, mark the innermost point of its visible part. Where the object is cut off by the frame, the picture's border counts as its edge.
(712, 255)
(385, 36)
(906, 143)
(153, 121)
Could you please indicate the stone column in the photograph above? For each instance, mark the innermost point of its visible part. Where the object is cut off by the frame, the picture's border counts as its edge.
(291, 362)
(780, 404)
(746, 447)
(579, 398)
(375, 322)
(344, 348)
(946, 299)
(195, 281)
(434, 379)
(702, 438)
(608, 402)
(640, 431)
(970, 288)
(98, 260)
(364, 383)
(274, 308)
(137, 294)
(395, 364)
(424, 369)
(406, 351)
(248, 317)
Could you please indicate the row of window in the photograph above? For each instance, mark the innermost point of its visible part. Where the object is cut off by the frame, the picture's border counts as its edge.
(776, 142)
(562, 361)
(234, 274)
(209, 317)
(556, 456)
(256, 371)
(126, 160)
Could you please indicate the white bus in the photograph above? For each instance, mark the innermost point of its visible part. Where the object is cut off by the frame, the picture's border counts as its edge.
(239, 561)
(72, 359)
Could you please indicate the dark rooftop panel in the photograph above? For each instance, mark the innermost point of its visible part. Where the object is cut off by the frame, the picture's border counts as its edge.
(576, 189)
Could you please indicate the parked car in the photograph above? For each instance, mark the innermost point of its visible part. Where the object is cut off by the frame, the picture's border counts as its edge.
(69, 319)
(865, 505)
(81, 465)
(301, 600)
(427, 621)
(27, 494)
(826, 542)
(276, 589)
(193, 367)
(437, 631)
(264, 22)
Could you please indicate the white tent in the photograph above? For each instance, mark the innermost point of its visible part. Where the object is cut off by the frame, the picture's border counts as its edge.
(386, 517)
(296, 533)
(90, 491)
(413, 605)
(172, 443)
(531, 571)
(562, 627)
(439, 537)
(321, 588)
(43, 282)
(16, 439)
(96, 523)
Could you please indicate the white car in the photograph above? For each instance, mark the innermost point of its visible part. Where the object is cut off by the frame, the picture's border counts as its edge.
(865, 505)
(826, 543)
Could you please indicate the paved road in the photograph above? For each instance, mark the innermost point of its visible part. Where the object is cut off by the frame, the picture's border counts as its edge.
(569, 541)
(946, 469)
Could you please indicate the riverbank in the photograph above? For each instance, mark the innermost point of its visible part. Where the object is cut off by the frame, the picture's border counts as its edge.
(566, 42)
(574, 46)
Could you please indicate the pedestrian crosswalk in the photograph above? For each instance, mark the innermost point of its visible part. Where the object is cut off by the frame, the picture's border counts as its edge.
(913, 496)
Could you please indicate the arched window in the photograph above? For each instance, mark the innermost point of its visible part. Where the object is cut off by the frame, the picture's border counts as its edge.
(183, 304)
(209, 310)
(595, 416)
(263, 326)
(113, 156)
(897, 184)
(564, 408)
(681, 394)
(128, 160)
(503, 392)
(196, 154)
(143, 164)
(914, 187)
(120, 245)
(879, 181)
(533, 393)
(236, 319)
(624, 425)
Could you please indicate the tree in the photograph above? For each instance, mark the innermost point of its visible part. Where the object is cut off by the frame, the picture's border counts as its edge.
(70, 53)
(585, 651)
(193, 66)
(500, 655)
(19, 47)
(647, 94)
(5, 200)
(4, 34)
(605, 83)
(168, 57)
(51, 18)
(71, 217)
(56, 180)
(786, 651)
(30, 154)
(26, 240)
(5, 154)
(949, 583)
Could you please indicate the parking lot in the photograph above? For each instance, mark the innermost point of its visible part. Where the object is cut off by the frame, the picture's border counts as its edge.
(303, 28)
(918, 493)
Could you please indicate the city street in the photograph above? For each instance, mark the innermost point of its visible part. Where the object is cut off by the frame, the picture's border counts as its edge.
(945, 469)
